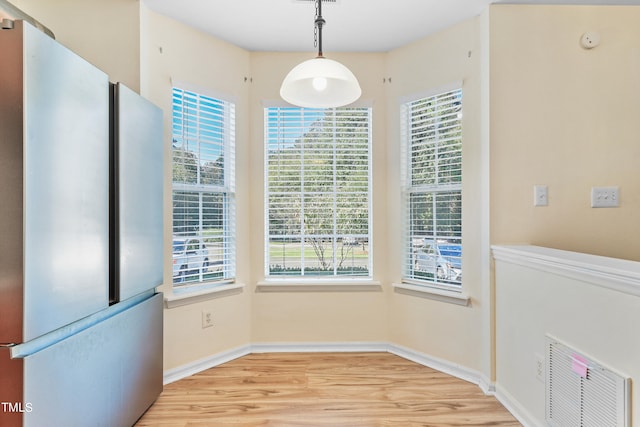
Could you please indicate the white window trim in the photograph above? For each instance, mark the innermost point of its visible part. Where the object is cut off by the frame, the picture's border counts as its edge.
(200, 291)
(319, 285)
(417, 287)
(432, 291)
(430, 92)
(310, 282)
(203, 90)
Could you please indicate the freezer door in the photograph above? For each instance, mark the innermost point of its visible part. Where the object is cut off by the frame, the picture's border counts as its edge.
(106, 375)
(137, 194)
(66, 185)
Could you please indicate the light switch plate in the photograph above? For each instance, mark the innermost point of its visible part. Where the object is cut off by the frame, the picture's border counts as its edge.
(540, 195)
(605, 197)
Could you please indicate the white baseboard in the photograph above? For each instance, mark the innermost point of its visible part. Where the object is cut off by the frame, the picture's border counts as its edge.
(466, 374)
(343, 347)
(175, 374)
(444, 366)
(512, 405)
(441, 365)
(486, 385)
(324, 347)
(320, 347)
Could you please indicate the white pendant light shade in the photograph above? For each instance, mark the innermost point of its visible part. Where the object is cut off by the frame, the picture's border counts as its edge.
(320, 83)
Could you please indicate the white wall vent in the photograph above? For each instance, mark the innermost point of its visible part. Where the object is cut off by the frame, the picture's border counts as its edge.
(314, 1)
(582, 393)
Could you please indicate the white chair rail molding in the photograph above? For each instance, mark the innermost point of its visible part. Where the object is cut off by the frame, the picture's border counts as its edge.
(590, 304)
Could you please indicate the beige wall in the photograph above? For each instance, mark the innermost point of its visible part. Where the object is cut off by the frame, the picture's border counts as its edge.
(294, 317)
(461, 335)
(105, 33)
(565, 117)
(173, 54)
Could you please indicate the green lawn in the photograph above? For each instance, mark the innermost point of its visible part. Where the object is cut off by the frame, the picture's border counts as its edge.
(279, 250)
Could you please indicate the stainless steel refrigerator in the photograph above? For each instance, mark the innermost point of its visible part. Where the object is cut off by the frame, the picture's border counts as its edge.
(80, 240)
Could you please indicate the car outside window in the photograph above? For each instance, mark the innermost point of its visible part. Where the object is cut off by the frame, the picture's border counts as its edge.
(203, 189)
(432, 190)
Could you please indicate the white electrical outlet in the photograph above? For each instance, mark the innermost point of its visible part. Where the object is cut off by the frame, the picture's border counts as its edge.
(605, 197)
(539, 368)
(540, 195)
(207, 319)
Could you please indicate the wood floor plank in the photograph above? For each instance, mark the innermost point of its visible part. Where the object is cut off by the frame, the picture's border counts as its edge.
(324, 389)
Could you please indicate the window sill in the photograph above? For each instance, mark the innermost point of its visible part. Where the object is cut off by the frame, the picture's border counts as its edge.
(182, 298)
(319, 285)
(436, 294)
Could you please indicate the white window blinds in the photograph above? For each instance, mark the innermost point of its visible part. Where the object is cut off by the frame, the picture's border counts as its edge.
(203, 189)
(317, 192)
(432, 138)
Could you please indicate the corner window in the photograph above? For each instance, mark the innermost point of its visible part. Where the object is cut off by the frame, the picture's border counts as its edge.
(318, 195)
(432, 190)
(203, 189)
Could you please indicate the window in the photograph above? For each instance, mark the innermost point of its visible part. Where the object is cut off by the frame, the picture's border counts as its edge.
(318, 174)
(432, 190)
(203, 189)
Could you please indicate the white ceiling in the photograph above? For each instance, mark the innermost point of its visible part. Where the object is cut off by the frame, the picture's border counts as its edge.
(351, 25)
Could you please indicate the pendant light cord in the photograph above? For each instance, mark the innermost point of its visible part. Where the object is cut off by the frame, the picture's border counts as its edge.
(317, 32)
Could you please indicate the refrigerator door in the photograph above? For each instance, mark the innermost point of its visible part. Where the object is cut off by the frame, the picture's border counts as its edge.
(137, 186)
(106, 375)
(58, 183)
(66, 185)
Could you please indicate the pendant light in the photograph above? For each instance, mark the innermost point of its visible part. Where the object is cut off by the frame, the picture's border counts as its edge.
(320, 82)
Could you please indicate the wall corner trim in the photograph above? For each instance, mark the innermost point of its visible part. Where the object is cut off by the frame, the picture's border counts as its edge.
(191, 368)
(516, 409)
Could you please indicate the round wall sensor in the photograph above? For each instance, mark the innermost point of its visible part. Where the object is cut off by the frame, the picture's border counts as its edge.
(590, 39)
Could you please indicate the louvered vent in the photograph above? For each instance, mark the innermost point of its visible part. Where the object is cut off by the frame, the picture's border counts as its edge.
(313, 1)
(581, 392)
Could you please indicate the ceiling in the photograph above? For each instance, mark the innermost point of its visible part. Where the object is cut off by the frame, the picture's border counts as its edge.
(351, 25)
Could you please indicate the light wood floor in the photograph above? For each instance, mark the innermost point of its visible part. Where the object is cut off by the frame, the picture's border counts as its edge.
(324, 389)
